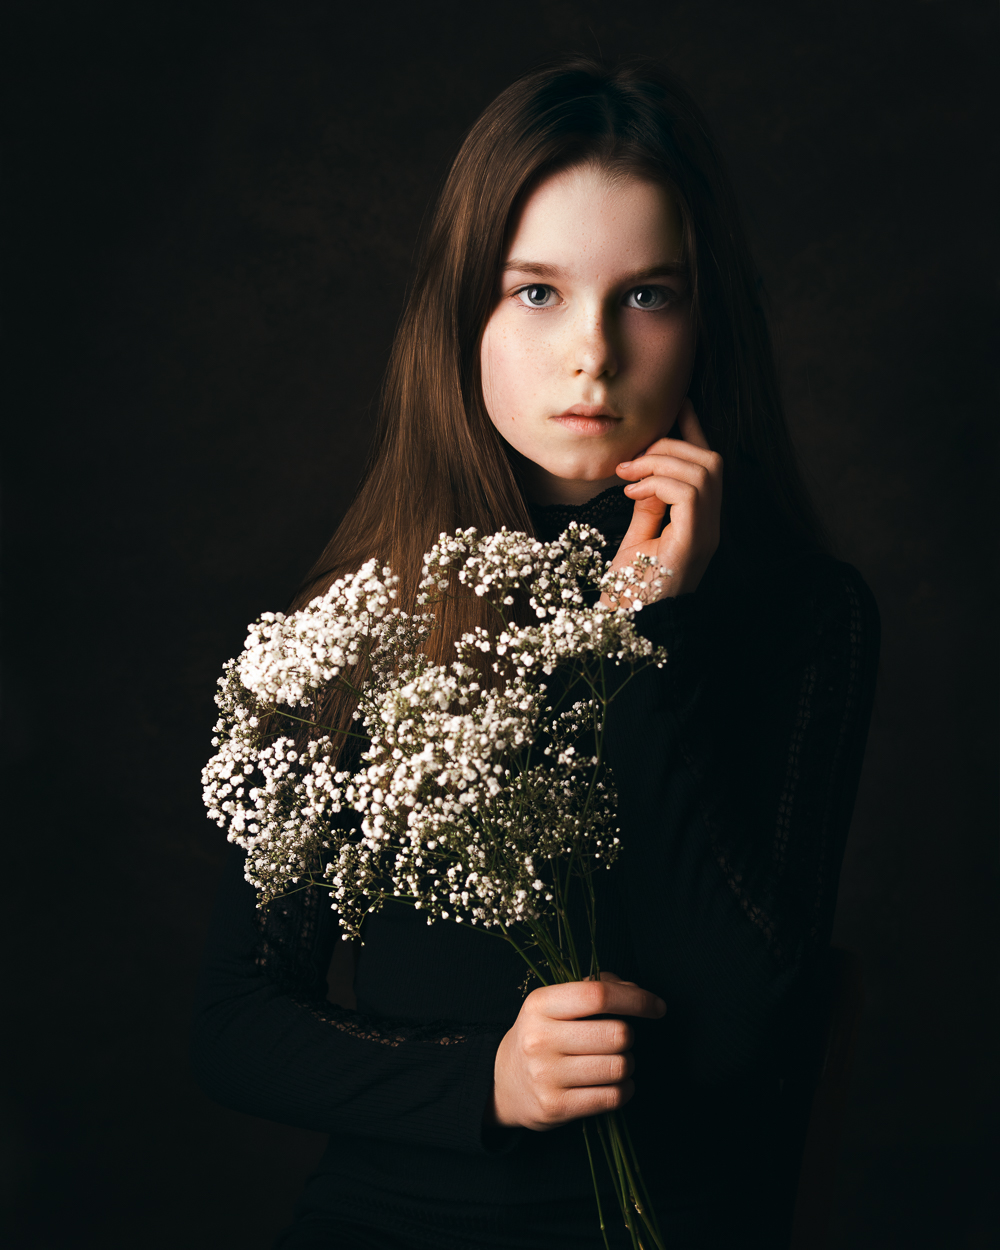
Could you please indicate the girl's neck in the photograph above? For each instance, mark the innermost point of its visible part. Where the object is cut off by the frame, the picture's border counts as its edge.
(542, 487)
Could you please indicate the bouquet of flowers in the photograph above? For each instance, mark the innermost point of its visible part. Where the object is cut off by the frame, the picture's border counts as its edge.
(481, 794)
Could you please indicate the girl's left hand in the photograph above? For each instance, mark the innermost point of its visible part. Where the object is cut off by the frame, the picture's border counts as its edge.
(686, 474)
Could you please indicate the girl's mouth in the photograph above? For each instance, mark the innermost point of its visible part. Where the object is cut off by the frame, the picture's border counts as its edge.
(587, 419)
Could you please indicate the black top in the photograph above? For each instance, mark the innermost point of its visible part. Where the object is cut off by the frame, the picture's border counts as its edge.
(736, 767)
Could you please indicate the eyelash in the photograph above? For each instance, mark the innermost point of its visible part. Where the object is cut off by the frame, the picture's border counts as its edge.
(668, 296)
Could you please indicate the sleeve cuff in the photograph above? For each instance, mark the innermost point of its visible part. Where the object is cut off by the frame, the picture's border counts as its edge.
(479, 1136)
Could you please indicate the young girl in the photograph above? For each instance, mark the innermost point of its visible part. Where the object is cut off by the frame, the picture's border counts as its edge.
(584, 340)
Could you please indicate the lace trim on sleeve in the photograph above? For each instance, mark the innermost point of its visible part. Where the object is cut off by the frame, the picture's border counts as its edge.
(295, 938)
(384, 1032)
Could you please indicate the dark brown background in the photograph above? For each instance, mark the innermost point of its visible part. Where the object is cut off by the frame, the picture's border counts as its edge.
(213, 216)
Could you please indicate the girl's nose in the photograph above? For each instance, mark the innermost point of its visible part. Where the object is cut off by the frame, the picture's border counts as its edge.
(594, 351)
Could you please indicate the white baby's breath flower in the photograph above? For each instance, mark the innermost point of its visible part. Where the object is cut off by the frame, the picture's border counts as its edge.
(484, 802)
(468, 797)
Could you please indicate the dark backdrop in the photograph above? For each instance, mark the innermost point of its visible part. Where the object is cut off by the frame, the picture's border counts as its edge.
(214, 209)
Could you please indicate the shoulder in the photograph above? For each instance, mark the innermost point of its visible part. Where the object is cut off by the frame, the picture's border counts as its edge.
(779, 611)
(781, 607)
(828, 593)
(817, 609)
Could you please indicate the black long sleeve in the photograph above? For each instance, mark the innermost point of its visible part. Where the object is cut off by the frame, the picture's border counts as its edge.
(736, 767)
(270, 1044)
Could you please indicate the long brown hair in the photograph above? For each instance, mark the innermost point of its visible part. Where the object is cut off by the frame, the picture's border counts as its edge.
(438, 462)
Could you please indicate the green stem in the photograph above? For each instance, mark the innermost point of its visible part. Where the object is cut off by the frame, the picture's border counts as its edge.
(629, 1164)
(618, 1178)
(650, 1214)
(593, 1177)
(512, 941)
(325, 728)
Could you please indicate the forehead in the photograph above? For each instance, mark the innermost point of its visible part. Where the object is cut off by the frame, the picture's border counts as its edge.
(584, 214)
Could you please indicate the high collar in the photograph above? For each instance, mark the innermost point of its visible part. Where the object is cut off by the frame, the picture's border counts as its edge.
(610, 512)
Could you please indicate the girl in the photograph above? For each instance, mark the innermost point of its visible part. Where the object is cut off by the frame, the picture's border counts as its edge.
(584, 340)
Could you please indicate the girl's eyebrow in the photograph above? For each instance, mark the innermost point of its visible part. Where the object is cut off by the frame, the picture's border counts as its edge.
(668, 269)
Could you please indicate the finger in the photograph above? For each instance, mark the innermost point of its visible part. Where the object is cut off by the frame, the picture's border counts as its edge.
(647, 519)
(681, 450)
(690, 426)
(668, 490)
(576, 1000)
(652, 496)
(576, 1071)
(591, 1037)
(667, 466)
(574, 1104)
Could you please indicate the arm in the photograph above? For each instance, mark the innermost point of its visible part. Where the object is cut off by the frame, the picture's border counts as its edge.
(271, 1045)
(737, 766)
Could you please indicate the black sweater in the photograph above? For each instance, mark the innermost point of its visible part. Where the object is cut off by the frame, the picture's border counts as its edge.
(736, 767)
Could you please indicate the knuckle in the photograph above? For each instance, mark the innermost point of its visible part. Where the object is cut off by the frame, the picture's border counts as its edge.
(614, 1069)
(549, 1104)
(536, 1072)
(618, 1095)
(611, 1097)
(620, 1065)
(533, 1042)
(619, 1035)
(592, 997)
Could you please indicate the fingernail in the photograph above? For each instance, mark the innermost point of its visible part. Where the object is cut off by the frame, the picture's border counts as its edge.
(625, 464)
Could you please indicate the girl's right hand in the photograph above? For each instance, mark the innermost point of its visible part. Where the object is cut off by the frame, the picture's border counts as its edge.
(556, 1065)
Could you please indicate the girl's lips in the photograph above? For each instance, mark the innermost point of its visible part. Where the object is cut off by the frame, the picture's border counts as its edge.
(587, 419)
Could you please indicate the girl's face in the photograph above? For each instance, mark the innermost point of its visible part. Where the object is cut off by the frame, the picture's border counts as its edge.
(587, 356)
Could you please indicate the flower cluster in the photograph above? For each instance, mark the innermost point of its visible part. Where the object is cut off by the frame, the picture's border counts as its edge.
(472, 799)
(554, 575)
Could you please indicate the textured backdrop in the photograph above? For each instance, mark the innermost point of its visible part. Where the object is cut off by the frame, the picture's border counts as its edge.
(213, 216)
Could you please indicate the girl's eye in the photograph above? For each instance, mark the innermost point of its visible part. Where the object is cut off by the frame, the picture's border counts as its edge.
(535, 296)
(648, 298)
